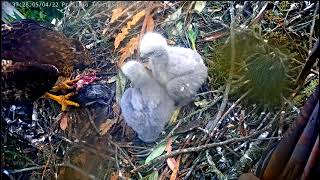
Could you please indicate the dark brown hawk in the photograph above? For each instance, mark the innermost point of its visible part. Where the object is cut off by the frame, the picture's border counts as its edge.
(35, 58)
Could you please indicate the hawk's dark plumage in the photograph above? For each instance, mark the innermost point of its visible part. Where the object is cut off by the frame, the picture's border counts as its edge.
(39, 56)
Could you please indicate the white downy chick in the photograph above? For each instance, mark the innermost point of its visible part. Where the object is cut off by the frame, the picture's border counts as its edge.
(146, 106)
(181, 70)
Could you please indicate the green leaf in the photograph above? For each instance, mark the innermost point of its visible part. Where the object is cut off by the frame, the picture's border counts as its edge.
(42, 15)
(157, 152)
(192, 36)
(154, 175)
(173, 17)
(199, 6)
(178, 30)
(201, 103)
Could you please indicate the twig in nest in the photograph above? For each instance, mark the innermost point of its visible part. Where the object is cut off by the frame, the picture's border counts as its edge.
(307, 67)
(91, 29)
(124, 155)
(259, 16)
(313, 24)
(47, 163)
(180, 121)
(199, 148)
(134, 147)
(214, 36)
(232, 151)
(187, 14)
(87, 147)
(235, 104)
(192, 167)
(228, 86)
(117, 161)
(218, 21)
(92, 122)
(186, 24)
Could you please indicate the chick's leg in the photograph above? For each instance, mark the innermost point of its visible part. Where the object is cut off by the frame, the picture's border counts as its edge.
(63, 100)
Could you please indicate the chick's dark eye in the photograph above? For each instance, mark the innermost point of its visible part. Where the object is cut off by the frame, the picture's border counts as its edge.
(144, 59)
